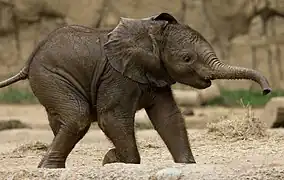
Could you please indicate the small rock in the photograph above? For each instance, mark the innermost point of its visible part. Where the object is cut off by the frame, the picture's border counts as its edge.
(167, 174)
(272, 112)
(188, 112)
(279, 121)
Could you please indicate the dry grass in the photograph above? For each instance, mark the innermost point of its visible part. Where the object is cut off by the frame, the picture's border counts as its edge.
(238, 127)
(37, 147)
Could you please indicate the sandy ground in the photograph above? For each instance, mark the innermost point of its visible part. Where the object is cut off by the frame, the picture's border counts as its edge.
(216, 158)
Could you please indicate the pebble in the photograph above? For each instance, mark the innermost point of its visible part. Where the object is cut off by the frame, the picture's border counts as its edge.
(167, 174)
(188, 112)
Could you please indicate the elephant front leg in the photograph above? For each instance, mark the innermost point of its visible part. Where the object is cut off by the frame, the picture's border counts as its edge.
(120, 130)
(169, 123)
(117, 99)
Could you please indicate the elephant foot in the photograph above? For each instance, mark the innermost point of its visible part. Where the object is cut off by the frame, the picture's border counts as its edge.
(186, 161)
(45, 163)
(110, 157)
(191, 161)
(51, 165)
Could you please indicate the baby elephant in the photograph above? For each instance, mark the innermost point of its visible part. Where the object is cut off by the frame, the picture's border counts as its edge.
(82, 75)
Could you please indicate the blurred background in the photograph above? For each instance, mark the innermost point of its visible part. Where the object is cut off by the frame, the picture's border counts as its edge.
(248, 33)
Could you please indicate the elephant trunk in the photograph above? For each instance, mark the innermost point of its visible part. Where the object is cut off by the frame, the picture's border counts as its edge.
(225, 71)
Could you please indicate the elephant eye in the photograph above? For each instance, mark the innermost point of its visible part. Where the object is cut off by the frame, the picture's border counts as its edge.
(188, 59)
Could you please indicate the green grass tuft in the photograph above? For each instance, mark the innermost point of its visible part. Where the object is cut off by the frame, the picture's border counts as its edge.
(17, 96)
(243, 97)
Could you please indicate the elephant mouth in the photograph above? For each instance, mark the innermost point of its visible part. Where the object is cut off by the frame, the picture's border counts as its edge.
(201, 82)
(204, 83)
(195, 80)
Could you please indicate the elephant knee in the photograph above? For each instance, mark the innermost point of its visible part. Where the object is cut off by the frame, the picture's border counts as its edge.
(77, 124)
(104, 123)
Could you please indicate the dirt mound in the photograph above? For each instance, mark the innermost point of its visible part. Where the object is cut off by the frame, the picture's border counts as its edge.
(36, 147)
(238, 127)
(12, 124)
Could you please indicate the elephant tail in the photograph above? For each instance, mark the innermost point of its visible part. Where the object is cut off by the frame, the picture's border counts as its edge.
(23, 74)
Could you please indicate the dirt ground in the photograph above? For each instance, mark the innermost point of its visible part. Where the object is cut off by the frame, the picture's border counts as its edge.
(22, 149)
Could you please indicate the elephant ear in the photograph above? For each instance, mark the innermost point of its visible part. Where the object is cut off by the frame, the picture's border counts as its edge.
(133, 51)
(165, 17)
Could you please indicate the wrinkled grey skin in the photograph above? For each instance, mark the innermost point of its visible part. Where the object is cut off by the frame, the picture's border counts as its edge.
(81, 75)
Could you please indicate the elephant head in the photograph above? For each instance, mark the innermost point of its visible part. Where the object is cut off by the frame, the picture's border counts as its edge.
(161, 51)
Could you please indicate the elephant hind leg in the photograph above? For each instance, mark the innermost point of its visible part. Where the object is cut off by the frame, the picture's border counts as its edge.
(69, 116)
(67, 133)
(60, 148)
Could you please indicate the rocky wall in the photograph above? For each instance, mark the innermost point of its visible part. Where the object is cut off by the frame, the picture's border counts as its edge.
(23, 23)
